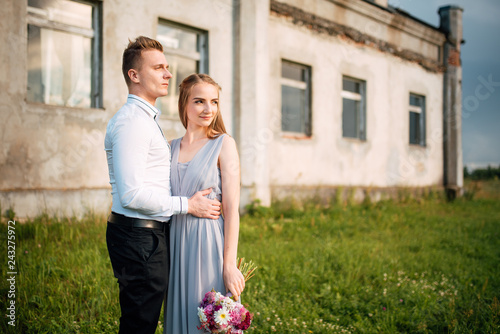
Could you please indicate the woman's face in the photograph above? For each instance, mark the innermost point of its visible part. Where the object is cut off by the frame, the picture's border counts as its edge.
(202, 105)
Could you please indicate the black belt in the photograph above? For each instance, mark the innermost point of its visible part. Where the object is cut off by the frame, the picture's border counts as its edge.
(116, 218)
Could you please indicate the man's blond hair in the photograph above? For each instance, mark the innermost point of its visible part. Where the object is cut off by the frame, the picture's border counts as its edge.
(133, 53)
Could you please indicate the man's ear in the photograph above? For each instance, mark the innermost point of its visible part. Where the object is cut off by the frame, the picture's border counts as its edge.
(133, 75)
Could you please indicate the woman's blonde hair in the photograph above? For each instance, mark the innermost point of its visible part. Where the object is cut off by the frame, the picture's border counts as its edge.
(216, 127)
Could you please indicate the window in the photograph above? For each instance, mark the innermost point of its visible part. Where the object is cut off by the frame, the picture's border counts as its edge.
(353, 108)
(295, 98)
(186, 50)
(64, 63)
(417, 119)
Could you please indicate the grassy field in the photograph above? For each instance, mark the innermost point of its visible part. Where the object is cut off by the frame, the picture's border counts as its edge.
(415, 266)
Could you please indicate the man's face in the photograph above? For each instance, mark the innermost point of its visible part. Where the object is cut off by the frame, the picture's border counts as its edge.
(153, 75)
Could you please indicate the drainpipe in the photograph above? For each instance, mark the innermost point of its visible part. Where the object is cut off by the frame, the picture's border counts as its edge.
(451, 25)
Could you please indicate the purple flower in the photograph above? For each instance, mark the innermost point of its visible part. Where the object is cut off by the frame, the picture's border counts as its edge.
(209, 309)
(239, 319)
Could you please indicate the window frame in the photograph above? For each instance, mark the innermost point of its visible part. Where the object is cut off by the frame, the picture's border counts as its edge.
(420, 131)
(361, 127)
(94, 33)
(306, 86)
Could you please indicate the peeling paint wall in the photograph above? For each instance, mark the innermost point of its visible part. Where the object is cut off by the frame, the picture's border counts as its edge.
(386, 158)
(388, 62)
(52, 158)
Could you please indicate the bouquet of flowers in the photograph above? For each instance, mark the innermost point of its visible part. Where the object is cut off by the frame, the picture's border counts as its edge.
(223, 314)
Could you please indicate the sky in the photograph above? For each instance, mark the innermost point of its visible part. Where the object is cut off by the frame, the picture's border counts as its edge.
(480, 73)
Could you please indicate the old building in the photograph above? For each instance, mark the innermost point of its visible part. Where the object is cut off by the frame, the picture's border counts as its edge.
(318, 94)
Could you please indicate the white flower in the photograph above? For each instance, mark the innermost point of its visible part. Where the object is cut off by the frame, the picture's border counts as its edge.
(228, 303)
(201, 314)
(222, 316)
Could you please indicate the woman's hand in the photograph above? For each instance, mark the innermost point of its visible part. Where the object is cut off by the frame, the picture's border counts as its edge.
(234, 280)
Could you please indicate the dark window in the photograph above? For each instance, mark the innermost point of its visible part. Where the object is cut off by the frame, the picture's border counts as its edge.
(417, 119)
(295, 98)
(353, 108)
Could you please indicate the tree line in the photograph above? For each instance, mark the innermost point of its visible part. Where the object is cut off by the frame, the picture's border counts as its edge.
(482, 173)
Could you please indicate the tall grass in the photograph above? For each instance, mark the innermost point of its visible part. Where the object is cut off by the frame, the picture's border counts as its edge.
(64, 282)
(421, 266)
(418, 267)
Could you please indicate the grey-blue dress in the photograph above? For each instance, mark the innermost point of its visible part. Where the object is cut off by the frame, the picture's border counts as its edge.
(196, 244)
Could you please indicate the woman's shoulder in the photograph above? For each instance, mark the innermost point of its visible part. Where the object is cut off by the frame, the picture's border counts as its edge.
(226, 140)
(170, 142)
(229, 147)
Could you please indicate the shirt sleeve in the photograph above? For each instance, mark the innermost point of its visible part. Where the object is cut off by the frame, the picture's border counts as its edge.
(130, 144)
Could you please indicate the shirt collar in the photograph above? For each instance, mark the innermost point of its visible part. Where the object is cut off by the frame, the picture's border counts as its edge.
(145, 105)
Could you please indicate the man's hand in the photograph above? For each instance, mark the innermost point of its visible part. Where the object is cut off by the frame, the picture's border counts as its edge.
(202, 207)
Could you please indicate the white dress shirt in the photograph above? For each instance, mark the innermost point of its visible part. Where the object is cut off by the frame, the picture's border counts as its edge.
(139, 164)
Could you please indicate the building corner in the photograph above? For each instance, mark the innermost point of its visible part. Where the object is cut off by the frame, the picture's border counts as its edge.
(451, 25)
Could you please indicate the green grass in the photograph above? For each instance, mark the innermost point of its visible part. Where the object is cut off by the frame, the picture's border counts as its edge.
(418, 266)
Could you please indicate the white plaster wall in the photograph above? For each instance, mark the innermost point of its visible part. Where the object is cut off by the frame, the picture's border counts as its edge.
(376, 22)
(52, 158)
(327, 159)
(253, 94)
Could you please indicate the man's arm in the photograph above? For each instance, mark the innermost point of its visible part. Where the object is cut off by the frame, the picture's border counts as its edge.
(131, 140)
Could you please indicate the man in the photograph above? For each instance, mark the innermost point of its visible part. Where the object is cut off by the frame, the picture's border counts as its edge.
(139, 171)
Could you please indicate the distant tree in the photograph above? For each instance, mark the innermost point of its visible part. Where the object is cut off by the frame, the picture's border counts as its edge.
(466, 172)
(482, 173)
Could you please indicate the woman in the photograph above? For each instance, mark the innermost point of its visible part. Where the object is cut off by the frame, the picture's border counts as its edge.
(203, 251)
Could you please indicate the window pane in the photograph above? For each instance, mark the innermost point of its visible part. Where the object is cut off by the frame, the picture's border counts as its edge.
(293, 105)
(414, 128)
(180, 68)
(292, 71)
(63, 11)
(353, 108)
(351, 85)
(350, 118)
(295, 98)
(175, 38)
(59, 68)
(416, 100)
(417, 120)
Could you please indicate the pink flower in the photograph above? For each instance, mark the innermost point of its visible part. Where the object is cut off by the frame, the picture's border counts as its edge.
(209, 309)
(237, 318)
(247, 319)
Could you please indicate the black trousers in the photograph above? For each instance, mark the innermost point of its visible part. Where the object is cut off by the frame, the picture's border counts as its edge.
(140, 261)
